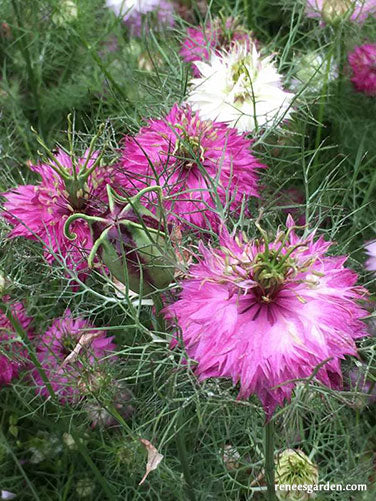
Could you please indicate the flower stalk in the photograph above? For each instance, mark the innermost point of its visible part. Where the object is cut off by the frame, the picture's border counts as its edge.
(182, 453)
(269, 460)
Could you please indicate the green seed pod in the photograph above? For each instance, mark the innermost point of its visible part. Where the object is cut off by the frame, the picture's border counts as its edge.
(131, 242)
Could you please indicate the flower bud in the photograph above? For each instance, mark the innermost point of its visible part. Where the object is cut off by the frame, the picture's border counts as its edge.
(69, 441)
(335, 10)
(2, 283)
(85, 488)
(65, 13)
(295, 468)
(231, 457)
(121, 402)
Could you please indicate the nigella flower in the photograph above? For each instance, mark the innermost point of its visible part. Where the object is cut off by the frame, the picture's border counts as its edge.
(266, 313)
(12, 351)
(363, 63)
(188, 157)
(134, 12)
(371, 252)
(215, 36)
(333, 11)
(71, 352)
(241, 88)
(38, 212)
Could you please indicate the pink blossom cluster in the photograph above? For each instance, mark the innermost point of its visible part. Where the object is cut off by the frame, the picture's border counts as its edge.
(363, 64)
(39, 212)
(70, 353)
(194, 161)
(265, 312)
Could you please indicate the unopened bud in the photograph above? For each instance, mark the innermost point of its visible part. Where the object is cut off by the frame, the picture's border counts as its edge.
(231, 457)
(85, 488)
(66, 12)
(2, 283)
(333, 11)
(294, 468)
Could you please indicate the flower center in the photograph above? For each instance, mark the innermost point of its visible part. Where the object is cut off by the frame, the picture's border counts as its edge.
(77, 193)
(188, 150)
(238, 70)
(270, 270)
(68, 343)
(244, 75)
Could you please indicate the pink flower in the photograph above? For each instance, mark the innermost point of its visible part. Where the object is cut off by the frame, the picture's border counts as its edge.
(331, 11)
(187, 156)
(39, 212)
(363, 63)
(266, 314)
(12, 352)
(71, 353)
(371, 251)
(218, 35)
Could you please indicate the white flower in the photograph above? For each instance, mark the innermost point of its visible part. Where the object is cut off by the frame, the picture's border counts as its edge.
(127, 7)
(240, 87)
(8, 495)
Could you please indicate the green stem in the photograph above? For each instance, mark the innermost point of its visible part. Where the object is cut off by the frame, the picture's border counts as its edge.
(371, 188)
(107, 489)
(158, 304)
(19, 466)
(247, 11)
(323, 102)
(269, 460)
(78, 215)
(320, 119)
(182, 453)
(341, 62)
(55, 164)
(84, 171)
